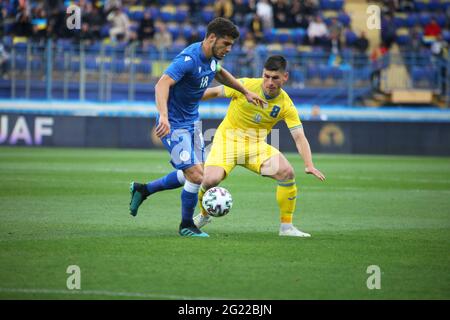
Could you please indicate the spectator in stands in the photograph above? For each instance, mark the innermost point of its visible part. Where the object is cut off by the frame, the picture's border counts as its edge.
(388, 31)
(4, 61)
(23, 27)
(310, 7)
(111, 5)
(361, 44)
(163, 38)
(242, 13)
(333, 44)
(265, 11)
(194, 37)
(432, 29)
(439, 47)
(335, 27)
(390, 6)
(223, 8)
(94, 18)
(85, 34)
(416, 40)
(317, 32)
(299, 20)
(120, 30)
(406, 5)
(180, 42)
(247, 61)
(316, 113)
(256, 28)
(195, 11)
(282, 14)
(146, 29)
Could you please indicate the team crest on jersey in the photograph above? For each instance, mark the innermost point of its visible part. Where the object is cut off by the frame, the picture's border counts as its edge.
(213, 65)
(257, 118)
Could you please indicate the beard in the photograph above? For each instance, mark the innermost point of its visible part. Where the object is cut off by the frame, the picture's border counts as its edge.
(214, 52)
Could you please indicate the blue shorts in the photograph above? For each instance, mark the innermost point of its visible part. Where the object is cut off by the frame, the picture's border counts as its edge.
(186, 147)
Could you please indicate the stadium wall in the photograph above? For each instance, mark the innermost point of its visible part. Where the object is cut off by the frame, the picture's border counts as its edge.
(359, 137)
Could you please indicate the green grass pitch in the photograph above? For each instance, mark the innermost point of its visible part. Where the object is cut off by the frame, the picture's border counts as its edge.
(61, 207)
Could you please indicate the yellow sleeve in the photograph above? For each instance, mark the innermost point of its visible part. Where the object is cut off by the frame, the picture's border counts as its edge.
(230, 92)
(291, 117)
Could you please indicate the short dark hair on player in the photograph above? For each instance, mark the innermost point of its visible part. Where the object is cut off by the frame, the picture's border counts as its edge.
(222, 27)
(276, 63)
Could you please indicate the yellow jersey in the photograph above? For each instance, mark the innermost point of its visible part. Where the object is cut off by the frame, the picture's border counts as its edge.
(249, 118)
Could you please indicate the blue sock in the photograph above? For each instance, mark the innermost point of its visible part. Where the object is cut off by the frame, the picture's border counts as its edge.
(173, 180)
(189, 198)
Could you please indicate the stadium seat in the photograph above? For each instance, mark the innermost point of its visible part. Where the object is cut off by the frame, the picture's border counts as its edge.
(181, 15)
(207, 15)
(282, 36)
(435, 5)
(344, 19)
(420, 5)
(400, 20)
(187, 31)
(201, 31)
(441, 19)
(269, 36)
(350, 37)
(424, 19)
(411, 20)
(174, 31)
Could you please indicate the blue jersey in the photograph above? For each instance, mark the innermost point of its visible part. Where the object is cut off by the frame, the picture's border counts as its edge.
(193, 73)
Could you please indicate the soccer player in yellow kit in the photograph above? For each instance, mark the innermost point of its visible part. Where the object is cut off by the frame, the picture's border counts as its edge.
(240, 140)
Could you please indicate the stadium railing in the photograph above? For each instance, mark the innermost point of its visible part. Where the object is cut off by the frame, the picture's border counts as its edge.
(116, 72)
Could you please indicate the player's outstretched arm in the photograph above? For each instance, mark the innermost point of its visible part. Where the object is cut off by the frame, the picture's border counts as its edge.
(226, 78)
(304, 150)
(215, 92)
(162, 96)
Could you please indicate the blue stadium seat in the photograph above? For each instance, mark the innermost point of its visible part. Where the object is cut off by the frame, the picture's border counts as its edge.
(154, 11)
(201, 31)
(187, 31)
(136, 15)
(298, 35)
(269, 36)
(420, 5)
(446, 35)
(282, 37)
(344, 19)
(181, 15)
(166, 16)
(441, 19)
(350, 37)
(399, 22)
(174, 31)
(207, 15)
(104, 31)
(424, 19)
(403, 39)
(412, 19)
(91, 64)
(435, 5)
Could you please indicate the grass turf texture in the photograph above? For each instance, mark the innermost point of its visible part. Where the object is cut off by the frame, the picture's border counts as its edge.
(62, 207)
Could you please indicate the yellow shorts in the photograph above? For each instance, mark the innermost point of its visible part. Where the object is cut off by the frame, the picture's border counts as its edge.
(231, 148)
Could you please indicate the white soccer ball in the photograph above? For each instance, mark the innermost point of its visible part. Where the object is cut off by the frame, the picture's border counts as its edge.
(217, 201)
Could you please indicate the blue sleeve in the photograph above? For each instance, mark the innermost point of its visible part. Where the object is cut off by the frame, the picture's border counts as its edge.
(179, 67)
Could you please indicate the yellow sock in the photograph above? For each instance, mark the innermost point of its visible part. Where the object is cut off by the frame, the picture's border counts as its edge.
(201, 192)
(287, 199)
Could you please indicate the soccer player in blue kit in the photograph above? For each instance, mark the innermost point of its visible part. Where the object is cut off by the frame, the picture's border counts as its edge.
(178, 93)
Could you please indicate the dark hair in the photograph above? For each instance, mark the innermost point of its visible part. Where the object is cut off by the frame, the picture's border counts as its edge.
(275, 63)
(222, 27)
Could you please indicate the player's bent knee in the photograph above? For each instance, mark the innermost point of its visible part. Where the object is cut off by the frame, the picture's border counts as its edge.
(194, 176)
(286, 173)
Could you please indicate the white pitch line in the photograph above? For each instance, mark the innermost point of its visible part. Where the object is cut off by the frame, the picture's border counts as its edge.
(107, 293)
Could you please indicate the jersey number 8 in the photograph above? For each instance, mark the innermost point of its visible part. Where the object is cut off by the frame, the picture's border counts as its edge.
(275, 111)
